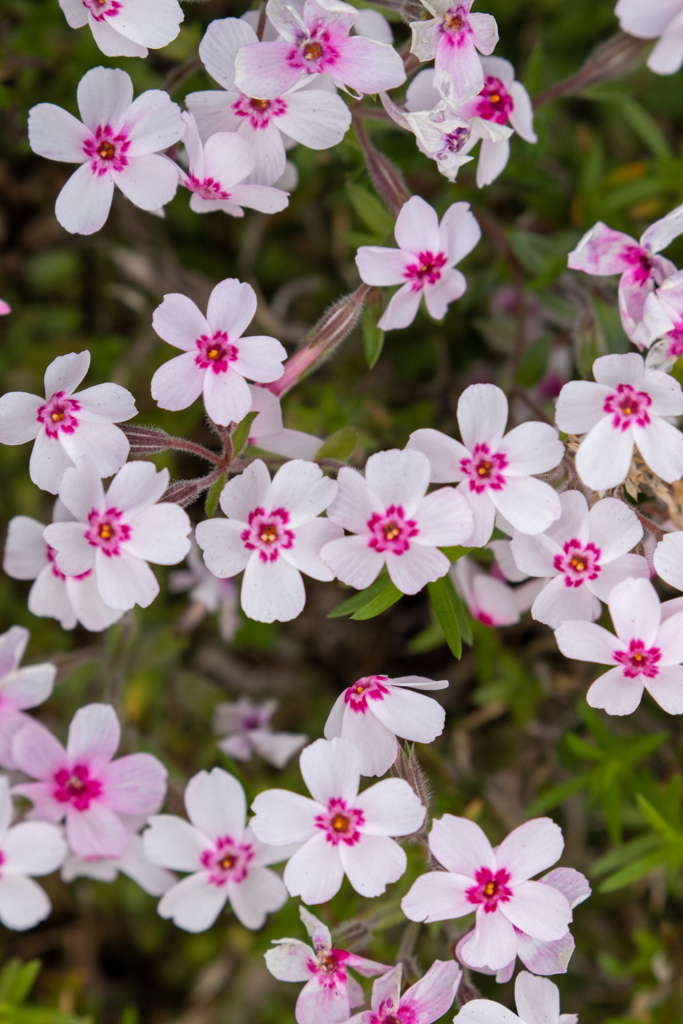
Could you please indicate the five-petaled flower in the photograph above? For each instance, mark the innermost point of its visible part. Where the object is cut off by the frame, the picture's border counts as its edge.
(662, 21)
(537, 1000)
(452, 36)
(125, 28)
(424, 1002)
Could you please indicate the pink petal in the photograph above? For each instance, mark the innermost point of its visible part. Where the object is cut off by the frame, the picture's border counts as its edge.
(12, 646)
(260, 358)
(149, 181)
(135, 784)
(461, 846)
(417, 227)
(390, 808)
(37, 753)
(545, 957)
(262, 69)
(433, 994)
(27, 687)
(179, 322)
(367, 66)
(96, 833)
(531, 448)
(602, 251)
(94, 736)
(382, 266)
(373, 863)
(222, 42)
(493, 943)
(315, 872)
(461, 61)
(459, 232)
(438, 297)
(173, 843)
(530, 848)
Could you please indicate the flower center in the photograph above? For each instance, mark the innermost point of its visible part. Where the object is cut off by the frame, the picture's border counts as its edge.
(340, 823)
(578, 562)
(260, 104)
(74, 786)
(207, 188)
(259, 113)
(267, 534)
(215, 352)
(368, 688)
(312, 51)
(58, 414)
(628, 407)
(101, 8)
(453, 22)
(228, 861)
(106, 150)
(639, 661)
(391, 531)
(490, 890)
(485, 469)
(106, 531)
(427, 270)
(494, 102)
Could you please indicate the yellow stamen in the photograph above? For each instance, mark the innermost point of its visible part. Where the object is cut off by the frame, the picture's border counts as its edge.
(490, 888)
(391, 531)
(106, 151)
(268, 535)
(340, 823)
(106, 532)
(57, 416)
(312, 51)
(227, 862)
(485, 469)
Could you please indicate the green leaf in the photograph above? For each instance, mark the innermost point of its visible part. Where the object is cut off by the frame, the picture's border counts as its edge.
(390, 595)
(370, 210)
(339, 446)
(534, 362)
(645, 126)
(616, 858)
(23, 982)
(359, 600)
(443, 597)
(428, 639)
(455, 553)
(463, 619)
(241, 435)
(636, 870)
(211, 503)
(658, 823)
(558, 794)
(587, 751)
(373, 336)
(534, 69)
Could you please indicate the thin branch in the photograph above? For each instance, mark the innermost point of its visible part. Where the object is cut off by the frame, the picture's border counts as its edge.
(179, 74)
(614, 58)
(261, 27)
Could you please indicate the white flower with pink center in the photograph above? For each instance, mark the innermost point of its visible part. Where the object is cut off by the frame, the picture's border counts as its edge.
(663, 317)
(626, 406)
(375, 710)
(317, 118)
(537, 1000)
(246, 730)
(116, 534)
(451, 38)
(646, 653)
(424, 263)
(330, 992)
(224, 859)
(126, 28)
(496, 884)
(603, 251)
(495, 470)
(119, 143)
(216, 358)
(31, 848)
(488, 597)
(342, 832)
(274, 533)
(83, 784)
(394, 522)
(20, 689)
(316, 42)
(662, 21)
(582, 556)
(424, 1002)
(67, 424)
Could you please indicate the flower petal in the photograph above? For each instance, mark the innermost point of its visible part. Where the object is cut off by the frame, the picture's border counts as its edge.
(482, 415)
(194, 903)
(390, 808)
(135, 784)
(538, 910)
(272, 591)
(173, 843)
(315, 872)
(530, 848)
(95, 834)
(84, 202)
(373, 863)
(616, 693)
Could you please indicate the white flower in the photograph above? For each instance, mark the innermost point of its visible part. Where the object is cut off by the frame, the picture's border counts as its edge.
(246, 730)
(424, 1002)
(663, 21)
(537, 999)
(668, 559)
(20, 688)
(125, 28)
(452, 36)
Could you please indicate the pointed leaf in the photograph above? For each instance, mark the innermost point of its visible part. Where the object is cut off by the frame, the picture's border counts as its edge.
(443, 597)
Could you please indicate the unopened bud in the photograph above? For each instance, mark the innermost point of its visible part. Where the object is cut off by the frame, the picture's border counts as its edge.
(384, 175)
(615, 58)
(184, 492)
(146, 440)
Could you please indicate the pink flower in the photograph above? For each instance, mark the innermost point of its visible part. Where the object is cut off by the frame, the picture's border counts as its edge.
(67, 425)
(20, 689)
(628, 405)
(30, 848)
(133, 862)
(208, 594)
(424, 1002)
(342, 832)
(424, 261)
(83, 784)
(604, 251)
(537, 999)
(217, 173)
(663, 316)
(5, 308)
(119, 143)
(494, 469)
(246, 729)
(489, 599)
(268, 433)
(316, 43)
(69, 599)
(663, 20)
(375, 710)
(274, 533)
(646, 652)
(395, 523)
(224, 859)
(125, 28)
(452, 36)
(316, 118)
(116, 534)
(216, 358)
(495, 884)
(582, 556)
(330, 991)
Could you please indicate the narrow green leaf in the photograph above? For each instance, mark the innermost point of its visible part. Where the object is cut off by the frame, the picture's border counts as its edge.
(370, 209)
(658, 823)
(390, 595)
(558, 794)
(623, 854)
(455, 553)
(635, 871)
(428, 639)
(443, 598)
(23, 982)
(211, 503)
(373, 336)
(241, 435)
(462, 618)
(645, 126)
(339, 446)
(587, 751)
(359, 600)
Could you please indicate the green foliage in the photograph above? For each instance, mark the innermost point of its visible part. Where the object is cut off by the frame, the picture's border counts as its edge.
(16, 982)
(340, 446)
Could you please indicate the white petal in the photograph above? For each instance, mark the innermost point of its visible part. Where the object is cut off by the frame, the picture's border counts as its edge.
(25, 550)
(125, 581)
(616, 693)
(173, 843)
(331, 769)
(530, 848)
(216, 804)
(23, 903)
(104, 96)
(636, 611)
(259, 894)
(56, 134)
(159, 534)
(417, 227)
(390, 808)
(83, 204)
(149, 181)
(352, 561)
(538, 910)
(412, 716)
(194, 903)
(531, 448)
(283, 817)
(482, 415)
(373, 863)
(32, 848)
(530, 505)
(302, 490)
(272, 591)
(310, 538)
(315, 872)
(398, 478)
(19, 417)
(224, 552)
(246, 492)
(585, 641)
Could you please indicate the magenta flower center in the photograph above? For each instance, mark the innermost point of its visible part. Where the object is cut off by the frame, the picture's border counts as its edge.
(58, 414)
(106, 151)
(391, 531)
(259, 112)
(455, 23)
(452, 142)
(628, 407)
(329, 966)
(103, 8)
(207, 188)
(106, 531)
(490, 890)
(74, 786)
(215, 353)
(642, 263)
(578, 562)
(340, 823)
(485, 469)
(368, 688)
(267, 533)
(427, 270)
(675, 337)
(315, 53)
(637, 661)
(228, 861)
(494, 102)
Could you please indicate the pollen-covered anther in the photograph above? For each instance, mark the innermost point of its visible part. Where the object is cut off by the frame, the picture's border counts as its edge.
(484, 468)
(578, 563)
(340, 823)
(106, 532)
(106, 150)
(490, 888)
(453, 22)
(57, 416)
(213, 354)
(268, 535)
(260, 104)
(312, 51)
(227, 862)
(391, 531)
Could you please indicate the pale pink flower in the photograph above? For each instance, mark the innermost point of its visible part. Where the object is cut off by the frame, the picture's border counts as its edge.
(581, 556)
(662, 20)
(537, 1000)
(5, 308)
(626, 406)
(224, 859)
(125, 28)
(268, 433)
(68, 423)
(330, 992)
(20, 688)
(603, 251)
(216, 358)
(116, 534)
(119, 143)
(495, 470)
(84, 784)
(317, 42)
(489, 598)
(424, 1002)
(274, 533)
(246, 730)
(208, 594)
(69, 599)
(663, 315)
(218, 173)
(493, 883)
(32, 848)
(133, 862)
(424, 263)
(668, 560)
(452, 37)
(646, 652)
(375, 710)
(342, 832)
(317, 118)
